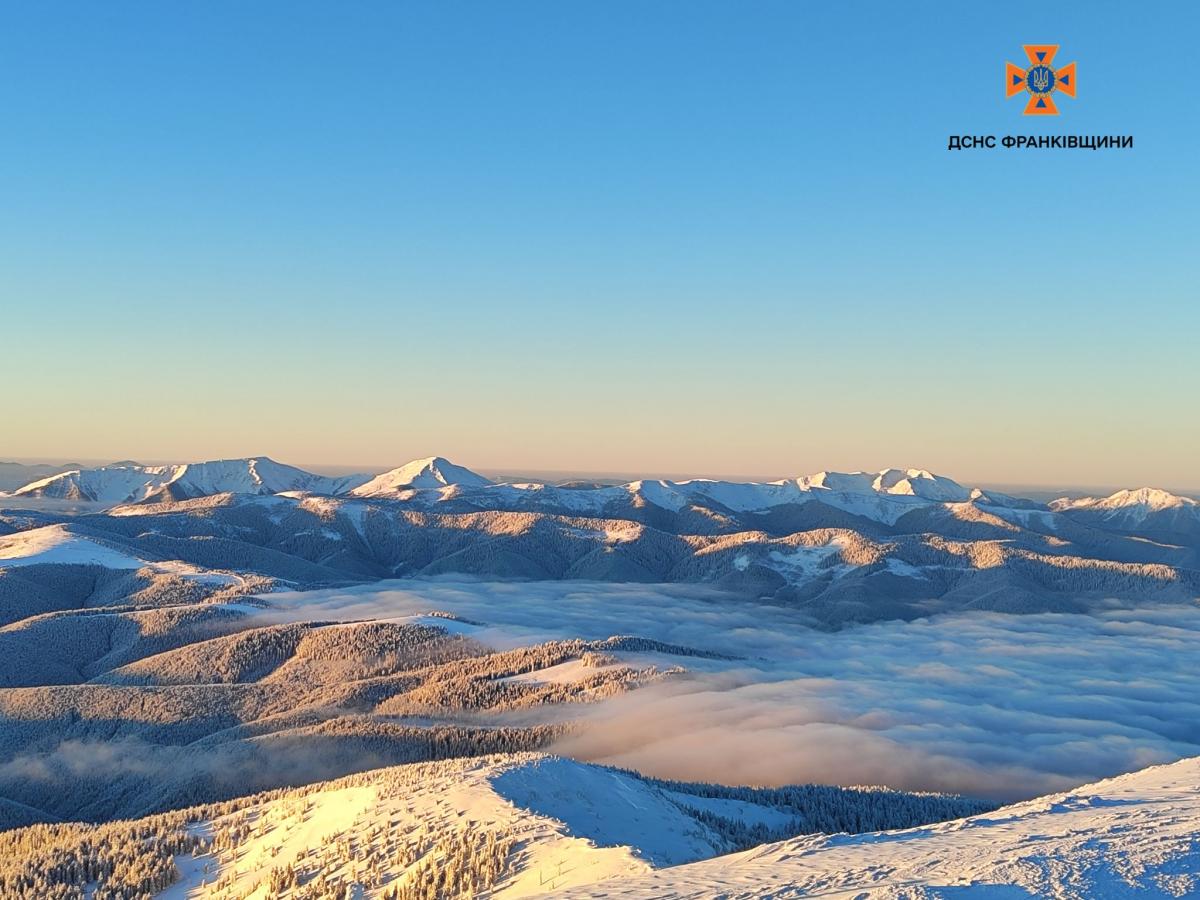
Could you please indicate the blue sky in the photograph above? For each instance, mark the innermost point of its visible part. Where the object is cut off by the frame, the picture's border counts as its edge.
(708, 238)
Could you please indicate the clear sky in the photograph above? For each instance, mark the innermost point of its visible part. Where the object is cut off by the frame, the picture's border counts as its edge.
(714, 238)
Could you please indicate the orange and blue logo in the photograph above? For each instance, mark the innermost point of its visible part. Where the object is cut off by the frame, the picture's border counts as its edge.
(1041, 80)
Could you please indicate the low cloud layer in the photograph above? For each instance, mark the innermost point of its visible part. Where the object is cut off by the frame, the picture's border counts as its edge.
(982, 703)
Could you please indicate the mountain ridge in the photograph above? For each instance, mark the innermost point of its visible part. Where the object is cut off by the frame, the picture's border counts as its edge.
(128, 482)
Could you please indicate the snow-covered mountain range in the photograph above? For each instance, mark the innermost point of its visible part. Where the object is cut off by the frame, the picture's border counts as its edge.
(133, 483)
(884, 496)
(844, 546)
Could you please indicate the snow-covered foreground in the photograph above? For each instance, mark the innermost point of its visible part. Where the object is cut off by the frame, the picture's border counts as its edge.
(1137, 835)
(569, 824)
(532, 825)
(528, 824)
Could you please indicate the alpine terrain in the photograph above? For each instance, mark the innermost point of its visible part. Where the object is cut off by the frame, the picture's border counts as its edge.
(241, 679)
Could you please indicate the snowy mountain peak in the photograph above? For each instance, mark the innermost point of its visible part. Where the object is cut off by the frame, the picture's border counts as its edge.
(1146, 500)
(430, 472)
(920, 483)
(1150, 498)
(125, 483)
(899, 482)
(845, 482)
(248, 475)
(107, 484)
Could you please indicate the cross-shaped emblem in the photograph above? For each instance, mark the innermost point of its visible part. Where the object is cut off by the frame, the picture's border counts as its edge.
(1040, 80)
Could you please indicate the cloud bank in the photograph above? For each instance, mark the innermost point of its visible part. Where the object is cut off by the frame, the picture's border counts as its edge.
(996, 705)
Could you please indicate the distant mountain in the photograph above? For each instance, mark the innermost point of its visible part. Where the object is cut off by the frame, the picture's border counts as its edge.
(836, 498)
(1151, 512)
(833, 499)
(897, 482)
(121, 483)
(841, 547)
(1136, 505)
(420, 474)
(250, 476)
(107, 484)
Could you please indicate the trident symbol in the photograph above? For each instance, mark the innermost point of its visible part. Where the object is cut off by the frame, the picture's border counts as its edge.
(1041, 81)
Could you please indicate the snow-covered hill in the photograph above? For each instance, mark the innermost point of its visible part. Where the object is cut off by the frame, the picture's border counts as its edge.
(56, 545)
(1131, 836)
(420, 474)
(513, 825)
(66, 545)
(532, 825)
(577, 824)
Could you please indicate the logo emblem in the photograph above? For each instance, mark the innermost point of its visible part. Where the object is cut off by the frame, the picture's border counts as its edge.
(1041, 80)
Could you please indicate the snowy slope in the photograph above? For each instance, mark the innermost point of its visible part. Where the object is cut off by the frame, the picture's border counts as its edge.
(54, 544)
(1142, 501)
(132, 483)
(534, 825)
(59, 545)
(252, 476)
(1154, 513)
(107, 484)
(431, 472)
(1132, 507)
(577, 824)
(1131, 836)
(13, 475)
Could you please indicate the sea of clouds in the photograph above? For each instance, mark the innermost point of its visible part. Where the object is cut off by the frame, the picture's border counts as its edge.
(1001, 706)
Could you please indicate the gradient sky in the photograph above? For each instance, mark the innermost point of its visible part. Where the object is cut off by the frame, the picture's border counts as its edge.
(712, 238)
